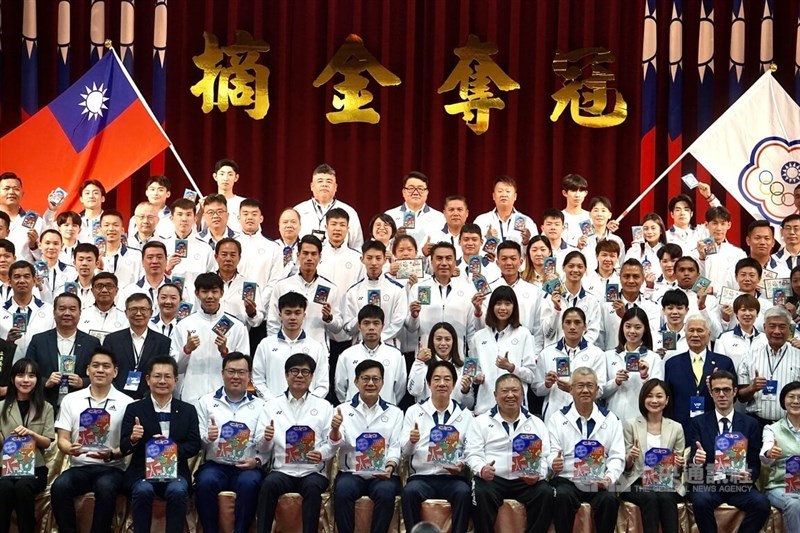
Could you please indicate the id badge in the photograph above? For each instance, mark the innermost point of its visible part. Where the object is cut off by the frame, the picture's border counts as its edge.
(133, 380)
(770, 391)
(697, 406)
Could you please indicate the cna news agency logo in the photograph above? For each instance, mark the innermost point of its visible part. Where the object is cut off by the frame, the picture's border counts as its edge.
(770, 177)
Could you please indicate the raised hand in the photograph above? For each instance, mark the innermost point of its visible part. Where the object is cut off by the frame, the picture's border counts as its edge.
(487, 472)
(213, 430)
(269, 431)
(413, 437)
(700, 454)
(138, 431)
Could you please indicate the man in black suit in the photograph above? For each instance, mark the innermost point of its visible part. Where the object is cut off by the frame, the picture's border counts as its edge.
(153, 418)
(7, 350)
(687, 373)
(136, 346)
(63, 348)
(712, 431)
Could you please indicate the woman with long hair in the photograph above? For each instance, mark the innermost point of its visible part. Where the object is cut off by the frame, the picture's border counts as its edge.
(442, 346)
(654, 236)
(630, 364)
(537, 251)
(25, 414)
(503, 346)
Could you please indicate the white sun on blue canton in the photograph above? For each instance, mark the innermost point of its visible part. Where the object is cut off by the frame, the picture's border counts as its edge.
(94, 101)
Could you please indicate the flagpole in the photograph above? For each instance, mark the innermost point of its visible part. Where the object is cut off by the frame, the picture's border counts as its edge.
(153, 117)
(652, 185)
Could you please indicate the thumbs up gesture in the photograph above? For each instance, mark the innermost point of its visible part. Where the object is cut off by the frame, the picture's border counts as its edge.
(558, 463)
(759, 381)
(138, 431)
(487, 472)
(775, 452)
(634, 452)
(336, 423)
(699, 454)
(426, 248)
(504, 363)
(213, 430)
(413, 437)
(192, 342)
(269, 431)
(490, 232)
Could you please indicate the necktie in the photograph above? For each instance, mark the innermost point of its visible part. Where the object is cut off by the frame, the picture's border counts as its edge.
(697, 367)
(725, 427)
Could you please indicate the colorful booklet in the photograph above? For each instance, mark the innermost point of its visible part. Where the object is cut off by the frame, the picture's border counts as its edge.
(370, 453)
(490, 245)
(424, 295)
(321, 295)
(374, 297)
(632, 361)
(20, 321)
(29, 220)
(409, 219)
(190, 194)
(659, 470)
(470, 367)
(728, 295)
(701, 283)
(562, 367)
(710, 246)
(519, 223)
(526, 454)
(638, 234)
(71, 287)
(223, 326)
(612, 292)
(234, 438)
(730, 453)
(481, 284)
(19, 456)
(443, 448)
(40, 267)
(178, 281)
(102, 243)
(474, 264)
(94, 427)
(57, 196)
(587, 228)
(184, 310)
(778, 289)
(299, 442)
(549, 267)
(669, 340)
(792, 475)
(182, 247)
(407, 267)
(249, 290)
(590, 462)
(161, 460)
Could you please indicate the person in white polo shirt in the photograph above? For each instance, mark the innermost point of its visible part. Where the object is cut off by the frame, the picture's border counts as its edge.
(414, 216)
(323, 199)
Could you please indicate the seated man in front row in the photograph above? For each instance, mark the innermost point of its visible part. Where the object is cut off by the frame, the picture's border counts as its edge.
(583, 474)
(736, 486)
(499, 472)
(147, 424)
(299, 466)
(366, 430)
(433, 438)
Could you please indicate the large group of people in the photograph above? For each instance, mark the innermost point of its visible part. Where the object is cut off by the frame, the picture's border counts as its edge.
(427, 355)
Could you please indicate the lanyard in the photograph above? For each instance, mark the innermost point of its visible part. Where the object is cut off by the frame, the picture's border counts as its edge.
(320, 214)
(89, 399)
(507, 224)
(772, 369)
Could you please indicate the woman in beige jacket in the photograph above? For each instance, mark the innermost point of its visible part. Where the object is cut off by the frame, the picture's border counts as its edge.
(24, 412)
(645, 437)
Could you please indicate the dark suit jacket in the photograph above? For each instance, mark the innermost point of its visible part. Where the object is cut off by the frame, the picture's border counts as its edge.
(704, 429)
(7, 350)
(183, 430)
(121, 343)
(44, 350)
(679, 376)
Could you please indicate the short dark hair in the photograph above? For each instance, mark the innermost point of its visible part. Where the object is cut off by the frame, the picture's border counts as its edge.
(96, 183)
(7, 245)
(10, 176)
(68, 216)
(608, 246)
(163, 359)
(21, 265)
(746, 301)
(300, 359)
(791, 218)
(648, 386)
(5, 218)
(674, 297)
(292, 299)
(576, 310)
(228, 240)
(509, 245)
(553, 213)
(372, 244)
(504, 293)
(312, 240)
(105, 275)
(371, 311)
(49, 231)
(138, 297)
(688, 259)
(573, 255)
(748, 262)
(789, 387)
(632, 262)
(155, 244)
(399, 239)
(574, 182)
(100, 350)
(337, 212)
(386, 219)
(456, 198)
(226, 163)
(251, 202)
(444, 244)
(207, 281)
(237, 356)
(760, 224)
(416, 175)
(506, 376)
(675, 200)
(367, 364)
(182, 203)
(674, 251)
(722, 374)
(215, 199)
(470, 228)
(67, 295)
(168, 285)
(159, 179)
(508, 180)
(718, 213)
(324, 168)
(437, 364)
(602, 200)
(111, 213)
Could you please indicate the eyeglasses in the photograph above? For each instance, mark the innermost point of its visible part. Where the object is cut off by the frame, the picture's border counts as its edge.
(232, 372)
(791, 229)
(216, 212)
(137, 310)
(104, 286)
(300, 372)
(721, 390)
(585, 386)
(418, 190)
(791, 398)
(370, 379)
(145, 217)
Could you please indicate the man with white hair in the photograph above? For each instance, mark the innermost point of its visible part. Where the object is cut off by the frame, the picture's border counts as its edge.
(687, 373)
(765, 369)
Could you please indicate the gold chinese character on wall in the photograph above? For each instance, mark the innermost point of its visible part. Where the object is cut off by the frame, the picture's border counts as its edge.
(588, 97)
(473, 73)
(242, 83)
(351, 60)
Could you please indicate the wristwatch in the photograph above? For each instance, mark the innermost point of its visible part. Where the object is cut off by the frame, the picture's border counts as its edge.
(258, 462)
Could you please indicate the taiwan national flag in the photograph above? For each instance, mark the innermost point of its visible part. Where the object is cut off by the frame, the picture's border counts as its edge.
(99, 128)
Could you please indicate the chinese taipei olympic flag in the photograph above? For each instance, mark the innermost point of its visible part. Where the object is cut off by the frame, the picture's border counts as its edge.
(99, 128)
(753, 150)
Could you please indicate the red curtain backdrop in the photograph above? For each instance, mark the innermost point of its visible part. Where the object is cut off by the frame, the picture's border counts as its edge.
(415, 40)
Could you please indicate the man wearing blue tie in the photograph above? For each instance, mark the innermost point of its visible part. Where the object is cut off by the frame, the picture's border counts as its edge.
(713, 437)
(686, 373)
